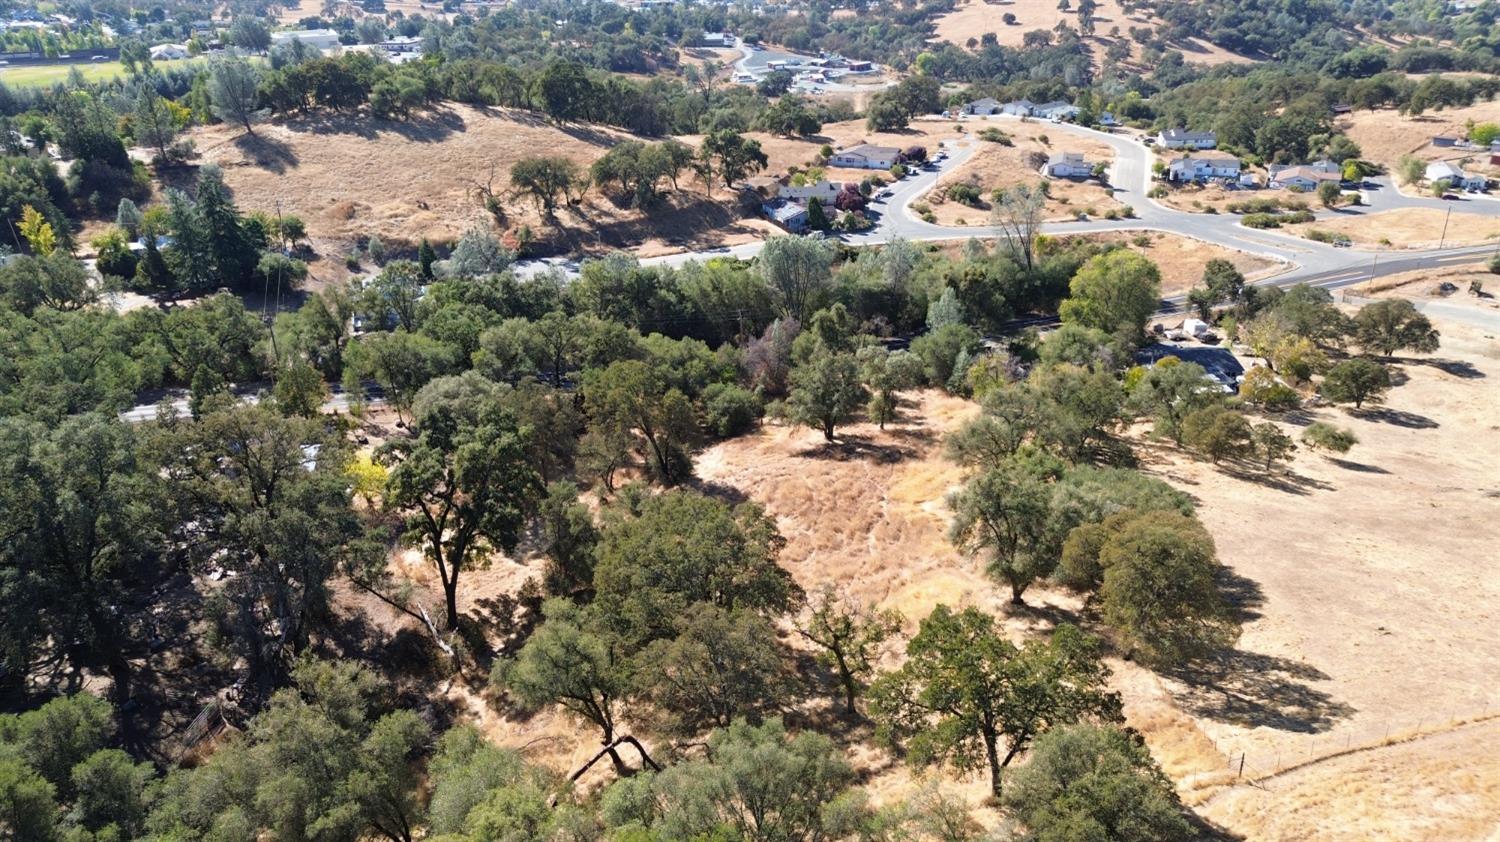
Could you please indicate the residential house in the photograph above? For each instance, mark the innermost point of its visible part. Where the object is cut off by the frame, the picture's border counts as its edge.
(1446, 172)
(403, 44)
(825, 191)
(866, 156)
(861, 67)
(1107, 120)
(1068, 165)
(789, 215)
(1203, 167)
(983, 107)
(1305, 177)
(1056, 111)
(1019, 108)
(716, 39)
(1184, 139)
(167, 52)
(318, 39)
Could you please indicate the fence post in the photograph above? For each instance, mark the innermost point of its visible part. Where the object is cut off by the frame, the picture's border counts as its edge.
(1241, 773)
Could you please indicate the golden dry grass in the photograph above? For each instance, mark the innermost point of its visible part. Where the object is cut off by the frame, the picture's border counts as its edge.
(1183, 259)
(1409, 228)
(993, 166)
(975, 18)
(1385, 136)
(349, 176)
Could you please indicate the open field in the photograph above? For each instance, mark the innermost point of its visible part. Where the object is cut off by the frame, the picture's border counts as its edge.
(1370, 617)
(1359, 691)
(994, 167)
(1213, 198)
(355, 176)
(44, 75)
(975, 18)
(1385, 136)
(1411, 228)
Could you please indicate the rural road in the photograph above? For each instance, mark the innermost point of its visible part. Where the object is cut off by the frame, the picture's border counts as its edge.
(1130, 174)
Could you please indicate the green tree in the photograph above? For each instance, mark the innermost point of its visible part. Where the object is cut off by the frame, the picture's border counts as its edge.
(886, 374)
(826, 391)
(155, 127)
(270, 500)
(797, 271)
(1089, 781)
(727, 156)
(969, 697)
(544, 178)
(569, 663)
(401, 363)
(679, 548)
(1005, 515)
(1271, 445)
(1394, 324)
(849, 636)
(721, 665)
(1116, 292)
(757, 783)
(1355, 381)
(1217, 432)
(426, 257)
(464, 482)
(299, 390)
(26, 802)
(1171, 390)
(1159, 592)
(233, 85)
(631, 396)
(1329, 193)
(111, 792)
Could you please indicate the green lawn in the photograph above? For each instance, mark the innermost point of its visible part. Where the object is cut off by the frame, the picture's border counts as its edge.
(44, 75)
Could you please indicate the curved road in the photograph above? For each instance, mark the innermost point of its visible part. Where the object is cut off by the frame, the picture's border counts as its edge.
(1130, 175)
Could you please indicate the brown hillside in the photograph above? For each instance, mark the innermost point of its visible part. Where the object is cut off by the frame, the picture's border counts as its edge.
(349, 176)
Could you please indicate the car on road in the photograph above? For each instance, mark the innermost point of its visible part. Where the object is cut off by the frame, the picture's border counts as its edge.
(98, 58)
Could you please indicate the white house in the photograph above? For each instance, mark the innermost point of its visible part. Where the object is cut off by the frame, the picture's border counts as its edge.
(789, 215)
(402, 44)
(825, 191)
(983, 107)
(866, 156)
(1056, 111)
(1068, 165)
(1305, 177)
(1184, 139)
(318, 39)
(167, 52)
(717, 39)
(1019, 108)
(1440, 172)
(1203, 167)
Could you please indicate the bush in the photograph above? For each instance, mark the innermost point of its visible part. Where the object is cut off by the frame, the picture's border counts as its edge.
(964, 194)
(1494, 265)
(994, 135)
(730, 410)
(1323, 436)
(1261, 220)
(1318, 235)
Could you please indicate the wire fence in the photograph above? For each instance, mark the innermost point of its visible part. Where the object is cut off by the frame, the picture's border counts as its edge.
(1258, 765)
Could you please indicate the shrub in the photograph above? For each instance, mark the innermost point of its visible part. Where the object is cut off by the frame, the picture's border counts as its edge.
(730, 410)
(994, 135)
(1261, 220)
(1323, 436)
(964, 194)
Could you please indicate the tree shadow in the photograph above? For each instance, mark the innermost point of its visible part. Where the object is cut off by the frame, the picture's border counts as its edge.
(1243, 595)
(1285, 480)
(852, 448)
(1396, 417)
(1457, 368)
(1252, 690)
(429, 126)
(268, 153)
(1357, 466)
(720, 490)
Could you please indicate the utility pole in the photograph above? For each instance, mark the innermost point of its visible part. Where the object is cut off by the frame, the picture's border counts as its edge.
(1444, 236)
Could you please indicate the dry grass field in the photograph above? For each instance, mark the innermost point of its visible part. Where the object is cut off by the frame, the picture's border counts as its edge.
(975, 18)
(993, 166)
(1183, 259)
(1410, 228)
(355, 176)
(1385, 136)
(1361, 693)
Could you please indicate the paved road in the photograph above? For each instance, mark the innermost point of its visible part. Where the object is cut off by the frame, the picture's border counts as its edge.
(756, 63)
